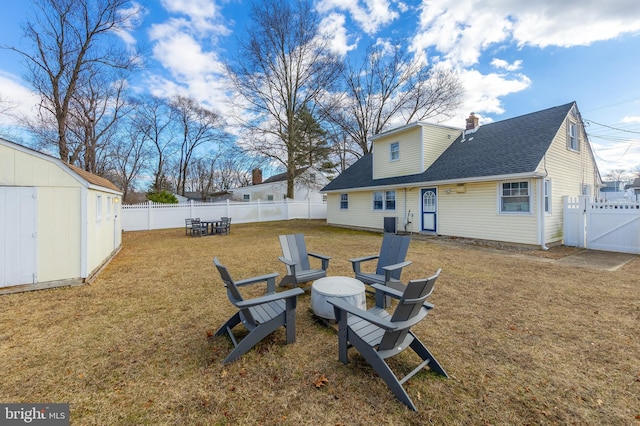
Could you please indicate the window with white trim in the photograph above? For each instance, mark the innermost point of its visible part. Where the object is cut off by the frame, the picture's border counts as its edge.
(377, 200)
(572, 137)
(344, 201)
(384, 200)
(98, 208)
(246, 197)
(390, 200)
(394, 151)
(547, 196)
(515, 197)
(109, 201)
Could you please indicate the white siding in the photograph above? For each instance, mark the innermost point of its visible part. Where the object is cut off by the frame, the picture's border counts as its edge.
(360, 213)
(410, 161)
(436, 140)
(474, 214)
(568, 170)
(102, 235)
(59, 233)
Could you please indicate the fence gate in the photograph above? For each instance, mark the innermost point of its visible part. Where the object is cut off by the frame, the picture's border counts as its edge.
(602, 225)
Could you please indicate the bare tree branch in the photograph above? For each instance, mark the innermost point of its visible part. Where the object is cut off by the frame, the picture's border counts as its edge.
(393, 86)
(283, 65)
(73, 40)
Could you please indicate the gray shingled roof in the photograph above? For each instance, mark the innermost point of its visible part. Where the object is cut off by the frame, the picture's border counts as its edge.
(282, 176)
(512, 146)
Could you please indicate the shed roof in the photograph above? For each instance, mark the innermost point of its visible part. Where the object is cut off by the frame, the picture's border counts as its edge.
(93, 179)
(508, 147)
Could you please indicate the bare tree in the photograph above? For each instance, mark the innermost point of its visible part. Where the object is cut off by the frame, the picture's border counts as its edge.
(616, 175)
(198, 127)
(73, 41)
(95, 111)
(283, 65)
(393, 86)
(153, 118)
(7, 105)
(129, 156)
(234, 168)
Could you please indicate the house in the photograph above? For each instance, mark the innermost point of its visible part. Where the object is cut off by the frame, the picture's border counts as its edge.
(612, 190)
(503, 181)
(58, 224)
(632, 190)
(307, 187)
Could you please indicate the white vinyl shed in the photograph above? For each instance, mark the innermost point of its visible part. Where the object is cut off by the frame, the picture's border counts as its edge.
(59, 225)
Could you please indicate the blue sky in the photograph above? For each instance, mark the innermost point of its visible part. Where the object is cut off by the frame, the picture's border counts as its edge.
(514, 56)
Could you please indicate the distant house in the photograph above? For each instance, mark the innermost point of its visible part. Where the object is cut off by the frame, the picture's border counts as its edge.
(209, 198)
(307, 186)
(612, 190)
(633, 189)
(58, 224)
(503, 181)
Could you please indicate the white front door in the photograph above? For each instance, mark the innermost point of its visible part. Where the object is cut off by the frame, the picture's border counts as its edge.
(429, 209)
(18, 228)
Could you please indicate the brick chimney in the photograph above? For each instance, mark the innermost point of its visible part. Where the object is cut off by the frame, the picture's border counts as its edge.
(256, 177)
(472, 122)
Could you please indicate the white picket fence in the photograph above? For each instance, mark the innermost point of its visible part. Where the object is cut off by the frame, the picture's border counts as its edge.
(602, 225)
(148, 216)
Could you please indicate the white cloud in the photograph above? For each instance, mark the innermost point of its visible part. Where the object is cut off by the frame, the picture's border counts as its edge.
(134, 16)
(482, 94)
(462, 30)
(16, 101)
(631, 119)
(370, 15)
(334, 26)
(184, 46)
(616, 155)
(204, 15)
(501, 63)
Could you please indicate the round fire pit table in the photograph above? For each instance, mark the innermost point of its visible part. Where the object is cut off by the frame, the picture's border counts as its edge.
(348, 289)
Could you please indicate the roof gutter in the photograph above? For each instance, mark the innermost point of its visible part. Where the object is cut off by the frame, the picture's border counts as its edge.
(528, 175)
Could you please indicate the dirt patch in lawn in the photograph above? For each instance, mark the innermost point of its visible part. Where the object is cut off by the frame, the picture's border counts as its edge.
(526, 339)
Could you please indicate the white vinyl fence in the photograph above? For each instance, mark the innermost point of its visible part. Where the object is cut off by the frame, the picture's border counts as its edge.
(148, 216)
(602, 225)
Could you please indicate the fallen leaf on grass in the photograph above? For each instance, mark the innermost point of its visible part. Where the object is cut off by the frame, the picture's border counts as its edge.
(321, 381)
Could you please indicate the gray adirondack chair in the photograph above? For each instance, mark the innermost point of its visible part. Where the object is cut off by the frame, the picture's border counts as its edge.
(379, 335)
(261, 315)
(296, 257)
(390, 262)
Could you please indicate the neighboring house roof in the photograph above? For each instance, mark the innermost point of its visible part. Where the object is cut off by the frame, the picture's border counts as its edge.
(635, 184)
(509, 147)
(283, 176)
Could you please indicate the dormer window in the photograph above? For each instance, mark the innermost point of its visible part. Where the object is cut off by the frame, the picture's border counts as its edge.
(572, 137)
(395, 151)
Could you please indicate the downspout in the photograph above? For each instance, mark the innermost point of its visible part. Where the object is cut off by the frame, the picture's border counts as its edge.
(405, 211)
(541, 213)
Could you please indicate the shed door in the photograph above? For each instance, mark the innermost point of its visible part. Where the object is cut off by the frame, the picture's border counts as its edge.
(19, 242)
(429, 209)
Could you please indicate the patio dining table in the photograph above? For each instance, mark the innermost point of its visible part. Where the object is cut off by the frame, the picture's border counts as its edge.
(211, 225)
